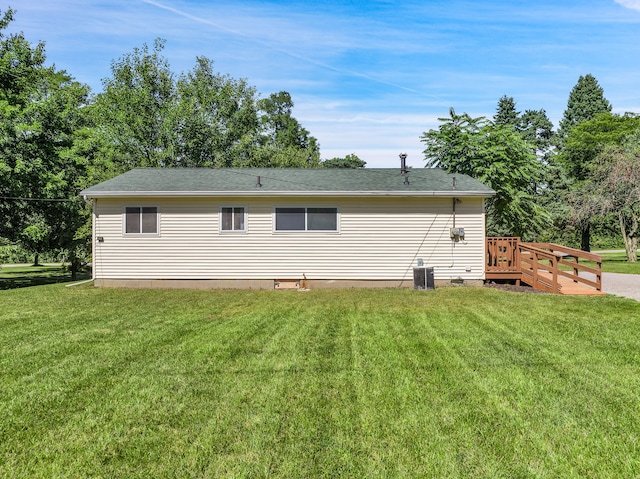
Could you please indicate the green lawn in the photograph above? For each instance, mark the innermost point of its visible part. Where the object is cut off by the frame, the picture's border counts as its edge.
(617, 263)
(451, 383)
(22, 276)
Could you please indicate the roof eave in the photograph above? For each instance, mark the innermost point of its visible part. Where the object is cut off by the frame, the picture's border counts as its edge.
(176, 194)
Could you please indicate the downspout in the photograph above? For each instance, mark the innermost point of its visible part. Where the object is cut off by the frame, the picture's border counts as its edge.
(455, 200)
(93, 238)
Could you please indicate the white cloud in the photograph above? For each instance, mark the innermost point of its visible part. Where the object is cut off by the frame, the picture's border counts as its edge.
(632, 4)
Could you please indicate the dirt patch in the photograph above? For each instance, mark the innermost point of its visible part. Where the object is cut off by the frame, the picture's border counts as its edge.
(513, 288)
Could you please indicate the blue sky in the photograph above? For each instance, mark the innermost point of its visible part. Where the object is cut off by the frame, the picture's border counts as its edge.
(366, 77)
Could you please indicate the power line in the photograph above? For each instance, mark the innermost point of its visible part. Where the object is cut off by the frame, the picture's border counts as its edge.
(20, 198)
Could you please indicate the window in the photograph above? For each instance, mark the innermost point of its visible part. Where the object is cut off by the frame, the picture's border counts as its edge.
(141, 220)
(306, 219)
(233, 218)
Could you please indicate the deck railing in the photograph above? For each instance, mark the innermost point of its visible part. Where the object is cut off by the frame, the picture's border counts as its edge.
(540, 265)
(559, 261)
(502, 253)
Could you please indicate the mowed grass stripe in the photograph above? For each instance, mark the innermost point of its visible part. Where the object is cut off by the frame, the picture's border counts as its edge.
(352, 383)
(527, 359)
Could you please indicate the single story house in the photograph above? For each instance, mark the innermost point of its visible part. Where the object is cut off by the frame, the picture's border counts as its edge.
(264, 228)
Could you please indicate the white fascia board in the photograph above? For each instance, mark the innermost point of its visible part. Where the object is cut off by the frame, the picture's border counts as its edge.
(267, 194)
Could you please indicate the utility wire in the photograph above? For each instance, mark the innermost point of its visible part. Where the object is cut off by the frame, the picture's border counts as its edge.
(19, 198)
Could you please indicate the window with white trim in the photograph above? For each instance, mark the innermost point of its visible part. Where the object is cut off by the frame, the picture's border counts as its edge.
(306, 219)
(233, 218)
(141, 220)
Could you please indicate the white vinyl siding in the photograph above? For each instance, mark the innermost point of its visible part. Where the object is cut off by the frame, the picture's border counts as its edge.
(380, 238)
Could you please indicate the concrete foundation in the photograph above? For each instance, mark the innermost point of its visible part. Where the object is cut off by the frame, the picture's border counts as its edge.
(211, 284)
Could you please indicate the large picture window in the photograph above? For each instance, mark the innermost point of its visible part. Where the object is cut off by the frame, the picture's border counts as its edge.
(141, 220)
(306, 219)
(233, 218)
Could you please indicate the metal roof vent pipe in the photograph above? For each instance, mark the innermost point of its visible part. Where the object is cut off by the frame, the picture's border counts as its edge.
(258, 184)
(403, 163)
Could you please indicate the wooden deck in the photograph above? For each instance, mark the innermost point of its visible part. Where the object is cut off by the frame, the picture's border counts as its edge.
(543, 266)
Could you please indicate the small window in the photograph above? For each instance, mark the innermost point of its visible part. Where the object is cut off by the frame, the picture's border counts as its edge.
(141, 220)
(306, 219)
(233, 218)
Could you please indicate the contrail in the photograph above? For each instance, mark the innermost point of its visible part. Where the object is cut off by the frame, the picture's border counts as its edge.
(284, 52)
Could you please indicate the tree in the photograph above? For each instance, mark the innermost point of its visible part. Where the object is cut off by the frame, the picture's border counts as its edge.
(586, 100)
(615, 181)
(282, 133)
(506, 113)
(497, 156)
(535, 128)
(40, 110)
(145, 117)
(349, 161)
(581, 147)
(587, 139)
(218, 119)
(135, 114)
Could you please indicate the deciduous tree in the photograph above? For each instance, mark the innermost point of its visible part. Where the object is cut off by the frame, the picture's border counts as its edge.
(615, 182)
(497, 156)
(217, 119)
(41, 108)
(135, 113)
(284, 134)
(349, 161)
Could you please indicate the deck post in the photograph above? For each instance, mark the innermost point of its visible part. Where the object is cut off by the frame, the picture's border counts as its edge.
(554, 270)
(518, 259)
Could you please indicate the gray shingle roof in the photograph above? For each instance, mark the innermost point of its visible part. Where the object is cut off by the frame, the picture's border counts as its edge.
(287, 182)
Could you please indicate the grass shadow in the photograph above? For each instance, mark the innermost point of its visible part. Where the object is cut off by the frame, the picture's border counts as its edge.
(13, 277)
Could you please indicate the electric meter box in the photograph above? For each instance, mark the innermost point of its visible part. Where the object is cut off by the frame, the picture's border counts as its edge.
(457, 233)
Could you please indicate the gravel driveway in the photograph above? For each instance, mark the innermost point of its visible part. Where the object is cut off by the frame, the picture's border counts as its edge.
(627, 285)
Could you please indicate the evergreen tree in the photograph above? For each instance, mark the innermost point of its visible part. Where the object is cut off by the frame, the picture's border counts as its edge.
(535, 127)
(586, 100)
(506, 113)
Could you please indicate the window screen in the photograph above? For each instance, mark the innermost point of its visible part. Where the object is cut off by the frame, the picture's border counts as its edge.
(141, 220)
(306, 219)
(232, 218)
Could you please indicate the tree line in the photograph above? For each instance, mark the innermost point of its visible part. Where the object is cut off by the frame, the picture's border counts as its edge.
(57, 137)
(551, 185)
